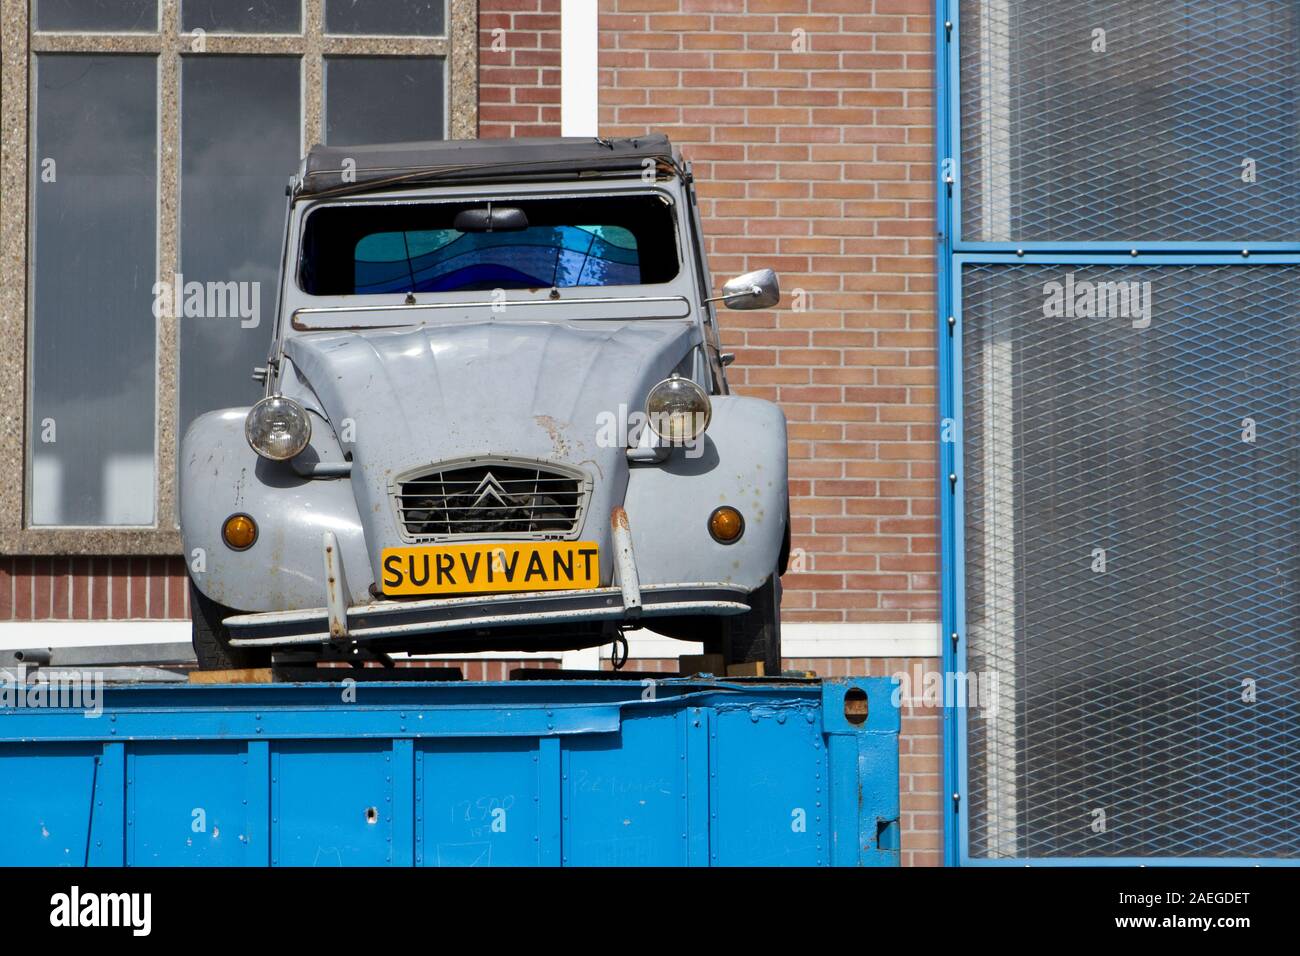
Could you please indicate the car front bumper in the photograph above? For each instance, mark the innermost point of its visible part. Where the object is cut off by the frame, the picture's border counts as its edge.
(418, 618)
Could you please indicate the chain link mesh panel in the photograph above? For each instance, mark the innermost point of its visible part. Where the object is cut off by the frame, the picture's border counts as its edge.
(1130, 120)
(1132, 555)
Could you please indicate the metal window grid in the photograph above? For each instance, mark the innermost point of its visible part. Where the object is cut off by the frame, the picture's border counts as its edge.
(1197, 812)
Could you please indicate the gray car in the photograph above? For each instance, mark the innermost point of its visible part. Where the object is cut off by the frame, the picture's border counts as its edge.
(496, 418)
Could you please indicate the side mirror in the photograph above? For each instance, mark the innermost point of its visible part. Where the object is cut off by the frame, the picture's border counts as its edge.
(753, 290)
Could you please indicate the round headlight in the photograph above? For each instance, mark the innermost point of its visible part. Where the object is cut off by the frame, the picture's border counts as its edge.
(277, 428)
(677, 410)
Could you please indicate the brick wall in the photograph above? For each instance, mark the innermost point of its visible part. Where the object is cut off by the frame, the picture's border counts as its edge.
(92, 588)
(519, 68)
(814, 161)
(810, 126)
(809, 123)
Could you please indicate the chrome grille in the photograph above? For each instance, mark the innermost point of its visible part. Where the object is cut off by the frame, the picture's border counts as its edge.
(502, 499)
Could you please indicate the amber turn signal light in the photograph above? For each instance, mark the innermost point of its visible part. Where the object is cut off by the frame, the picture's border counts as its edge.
(240, 531)
(726, 525)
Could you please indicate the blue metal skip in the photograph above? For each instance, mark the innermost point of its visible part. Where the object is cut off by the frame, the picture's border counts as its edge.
(677, 772)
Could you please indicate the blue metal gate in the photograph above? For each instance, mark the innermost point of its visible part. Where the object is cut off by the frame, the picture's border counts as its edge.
(1120, 382)
(673, 772)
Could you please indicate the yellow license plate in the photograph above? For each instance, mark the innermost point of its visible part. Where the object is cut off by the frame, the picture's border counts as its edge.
(490, 568)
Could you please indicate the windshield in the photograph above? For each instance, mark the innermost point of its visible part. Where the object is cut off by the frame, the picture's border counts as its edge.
(554, 243)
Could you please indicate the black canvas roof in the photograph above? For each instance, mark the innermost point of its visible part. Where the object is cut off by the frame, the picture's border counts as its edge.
(338, 169)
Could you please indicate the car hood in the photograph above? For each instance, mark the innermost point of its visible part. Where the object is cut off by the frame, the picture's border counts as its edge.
(413, 397)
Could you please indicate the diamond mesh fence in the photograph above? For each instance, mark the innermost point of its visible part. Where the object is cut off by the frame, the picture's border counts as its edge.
(1130, 120)
(1132, 559)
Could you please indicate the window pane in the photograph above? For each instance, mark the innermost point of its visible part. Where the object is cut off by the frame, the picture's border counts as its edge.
(418, 247)
(1119, 441)
(239, 146)
(94, 240)
(242, 16)
(393, 17)
(390, 99)
(1148, 141)
(92, 15)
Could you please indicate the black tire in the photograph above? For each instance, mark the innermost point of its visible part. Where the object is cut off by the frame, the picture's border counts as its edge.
(212, 639)
(755, 635)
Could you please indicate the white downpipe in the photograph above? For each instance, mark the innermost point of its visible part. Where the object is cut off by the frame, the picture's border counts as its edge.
(579, 73)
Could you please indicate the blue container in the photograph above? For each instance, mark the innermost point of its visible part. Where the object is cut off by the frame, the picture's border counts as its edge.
(663, 773)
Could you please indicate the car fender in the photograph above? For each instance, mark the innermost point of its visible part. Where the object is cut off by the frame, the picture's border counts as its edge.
(742, 463)
(283, 569)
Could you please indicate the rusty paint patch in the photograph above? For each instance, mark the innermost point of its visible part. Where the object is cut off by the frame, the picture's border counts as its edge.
(618, 519)
(239, 487)
(555, 431)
